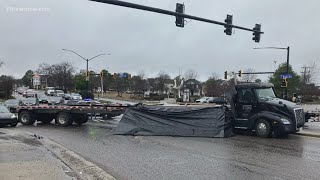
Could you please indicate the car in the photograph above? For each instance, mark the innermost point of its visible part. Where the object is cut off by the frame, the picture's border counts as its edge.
(53, 100)
(30, 93)
(75, 96)
(43, 99)
(67, 96)
(202, 100)
(12, 104)
(218, 100)
(7, 118)
(50, 92)
(30, 101)
(59, 93)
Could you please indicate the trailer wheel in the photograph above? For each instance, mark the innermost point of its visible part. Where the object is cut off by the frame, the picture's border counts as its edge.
(26, 118)
(263, 128)
(63, 119)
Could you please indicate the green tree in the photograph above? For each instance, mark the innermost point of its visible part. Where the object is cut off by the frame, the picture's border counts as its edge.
(27, 78)
(80, 82)
(293, 83)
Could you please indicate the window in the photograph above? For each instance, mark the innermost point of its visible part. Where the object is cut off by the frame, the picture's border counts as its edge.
(246, 96)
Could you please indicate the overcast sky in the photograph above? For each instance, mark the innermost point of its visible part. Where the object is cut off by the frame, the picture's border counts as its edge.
(149, 42)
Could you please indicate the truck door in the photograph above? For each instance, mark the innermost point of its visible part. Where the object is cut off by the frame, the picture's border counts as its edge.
(244, 107)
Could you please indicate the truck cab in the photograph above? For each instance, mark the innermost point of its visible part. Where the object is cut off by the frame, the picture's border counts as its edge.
(256, 108)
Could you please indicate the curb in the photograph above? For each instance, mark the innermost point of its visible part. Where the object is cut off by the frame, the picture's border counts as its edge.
(308, 134)
(85, 169)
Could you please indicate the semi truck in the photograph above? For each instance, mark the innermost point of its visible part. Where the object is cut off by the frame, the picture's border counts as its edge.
(256, 108)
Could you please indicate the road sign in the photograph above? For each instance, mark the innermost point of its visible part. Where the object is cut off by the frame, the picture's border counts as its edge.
(87, 78)
(286, 76)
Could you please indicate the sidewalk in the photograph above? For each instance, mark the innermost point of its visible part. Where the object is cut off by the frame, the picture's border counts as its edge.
(311, 129)
(32, 157)
(24, 157)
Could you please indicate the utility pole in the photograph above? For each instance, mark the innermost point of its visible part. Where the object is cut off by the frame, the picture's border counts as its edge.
(87, 60)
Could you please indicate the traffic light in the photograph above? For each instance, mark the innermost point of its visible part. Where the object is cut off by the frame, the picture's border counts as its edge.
(129, 76)
(226, 75)
(284, 83)
(101, 74)
(179, 19)
(87, 73)
(256, 35)
(240, 73)
(115, 75)
(228, 29)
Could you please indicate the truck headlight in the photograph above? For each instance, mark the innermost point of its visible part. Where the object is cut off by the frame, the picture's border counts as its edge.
(13, 116)
(285, 121)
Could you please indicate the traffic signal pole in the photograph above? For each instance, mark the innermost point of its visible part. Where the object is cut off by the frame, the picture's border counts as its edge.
(171, 13)
(288, 52)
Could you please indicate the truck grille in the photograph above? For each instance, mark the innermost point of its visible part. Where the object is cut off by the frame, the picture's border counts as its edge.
(299, 114)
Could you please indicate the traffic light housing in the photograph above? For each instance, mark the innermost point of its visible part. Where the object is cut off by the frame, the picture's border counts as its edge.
(87, 73)
(101, 74)
(226, 75)
(179, 19)
(129, 76)
(256, 35)
(284, 83)
(228, 21)
(240, 73)
(115, 75)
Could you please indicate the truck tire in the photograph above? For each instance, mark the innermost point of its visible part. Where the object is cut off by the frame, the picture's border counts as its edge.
(64, 119)
(263, 128)
(26, 118)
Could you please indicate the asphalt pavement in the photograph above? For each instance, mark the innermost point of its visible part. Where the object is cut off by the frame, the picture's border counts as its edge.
(162, 157)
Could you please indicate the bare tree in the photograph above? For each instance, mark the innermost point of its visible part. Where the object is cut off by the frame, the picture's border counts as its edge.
(161, 80)
(310, 74)
(190, 74)
(58, 75)
(249, 77)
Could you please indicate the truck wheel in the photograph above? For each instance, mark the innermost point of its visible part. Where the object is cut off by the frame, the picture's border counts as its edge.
(263, 128)
(63, 119)
(26, 118)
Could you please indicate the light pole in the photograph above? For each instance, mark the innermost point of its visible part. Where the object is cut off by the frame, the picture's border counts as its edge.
(87, 60)
(288, 52)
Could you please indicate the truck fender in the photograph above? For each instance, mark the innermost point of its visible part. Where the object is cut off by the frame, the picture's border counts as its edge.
(269, 116)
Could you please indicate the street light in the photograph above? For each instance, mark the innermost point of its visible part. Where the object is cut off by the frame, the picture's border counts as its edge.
(87, 60)
(288, 52)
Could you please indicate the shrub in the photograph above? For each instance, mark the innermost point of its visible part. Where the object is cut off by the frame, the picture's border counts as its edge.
(86, 94)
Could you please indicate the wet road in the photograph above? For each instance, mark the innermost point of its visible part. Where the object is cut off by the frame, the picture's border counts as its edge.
(238, 157)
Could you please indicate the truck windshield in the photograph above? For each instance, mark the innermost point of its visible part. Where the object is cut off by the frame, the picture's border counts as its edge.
(265, 93)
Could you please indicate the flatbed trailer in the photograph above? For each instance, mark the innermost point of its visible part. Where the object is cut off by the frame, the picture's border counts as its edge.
(313, 114)
(65, 115)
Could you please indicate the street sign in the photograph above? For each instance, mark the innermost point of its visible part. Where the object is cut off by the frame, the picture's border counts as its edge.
(286, 76)
(87, 78)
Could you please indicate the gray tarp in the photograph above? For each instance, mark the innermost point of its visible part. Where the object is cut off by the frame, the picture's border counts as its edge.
(176, 121)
